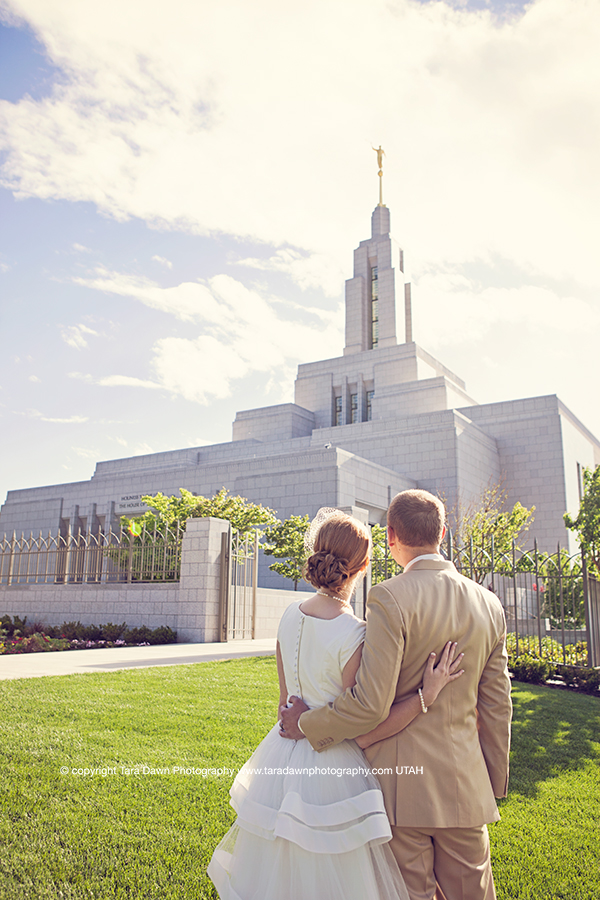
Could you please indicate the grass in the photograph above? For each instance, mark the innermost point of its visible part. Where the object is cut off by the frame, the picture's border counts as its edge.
(547, 843)
(94, 837)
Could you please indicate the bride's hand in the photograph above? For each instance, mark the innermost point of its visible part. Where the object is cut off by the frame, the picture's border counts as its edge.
(437, 678)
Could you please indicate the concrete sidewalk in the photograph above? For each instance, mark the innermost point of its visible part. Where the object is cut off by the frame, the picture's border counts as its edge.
(70, 662)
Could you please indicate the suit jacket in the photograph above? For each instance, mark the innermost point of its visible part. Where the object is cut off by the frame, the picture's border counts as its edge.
(446, 767)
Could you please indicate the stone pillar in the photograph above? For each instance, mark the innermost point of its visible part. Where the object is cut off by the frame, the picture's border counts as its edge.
(362, 399)
(345, 401)
(200, 584)
(407, 314)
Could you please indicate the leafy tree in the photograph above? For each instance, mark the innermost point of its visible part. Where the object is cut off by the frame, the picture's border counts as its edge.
(285, 541)
(488, 517)
(167, 518)
(170, 512)
(382, 566)
(587, 522)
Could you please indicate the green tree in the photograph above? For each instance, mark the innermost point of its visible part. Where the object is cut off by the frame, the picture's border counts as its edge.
(166, 513)
(383, 566)
(285, 541)
(587, 522)
(475, 525)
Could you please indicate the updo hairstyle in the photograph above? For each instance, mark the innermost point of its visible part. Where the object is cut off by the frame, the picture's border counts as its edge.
(340, 550)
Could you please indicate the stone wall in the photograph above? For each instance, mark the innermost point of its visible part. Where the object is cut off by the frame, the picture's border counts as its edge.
(190, 606)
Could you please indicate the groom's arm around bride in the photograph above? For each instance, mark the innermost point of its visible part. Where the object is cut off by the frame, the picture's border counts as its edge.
(446, 767)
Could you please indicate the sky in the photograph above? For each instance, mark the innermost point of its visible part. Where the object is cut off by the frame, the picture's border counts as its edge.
(182, 186)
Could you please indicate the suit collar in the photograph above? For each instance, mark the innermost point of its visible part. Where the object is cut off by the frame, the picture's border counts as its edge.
(422, 564)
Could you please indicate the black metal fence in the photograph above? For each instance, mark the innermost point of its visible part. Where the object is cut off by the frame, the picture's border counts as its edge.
(551, 603)
(114, 557)
(545, 597)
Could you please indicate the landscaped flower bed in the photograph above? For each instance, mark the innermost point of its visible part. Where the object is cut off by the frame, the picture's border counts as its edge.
(535, 668)
(18, 637)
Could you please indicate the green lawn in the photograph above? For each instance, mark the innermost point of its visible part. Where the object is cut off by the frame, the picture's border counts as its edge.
(151, 835)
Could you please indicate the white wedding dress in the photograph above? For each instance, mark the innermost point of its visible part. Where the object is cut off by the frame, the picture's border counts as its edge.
(310, 826)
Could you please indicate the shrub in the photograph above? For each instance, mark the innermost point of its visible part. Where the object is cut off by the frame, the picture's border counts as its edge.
(574, 654)
(111, 632)
(163, 635)
(140, 635)
(528, 668)
(37, 643)
(34, 643)
(12, 625)
(580, 679)
(72, 631)
(74, 635)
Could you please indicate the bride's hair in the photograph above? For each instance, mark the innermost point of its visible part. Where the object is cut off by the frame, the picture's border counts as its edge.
(341, 548)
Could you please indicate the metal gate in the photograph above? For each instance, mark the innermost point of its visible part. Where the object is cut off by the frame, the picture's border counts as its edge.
(239, 579)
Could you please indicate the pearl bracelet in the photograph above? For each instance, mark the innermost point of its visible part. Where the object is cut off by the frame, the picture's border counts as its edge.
(423, 707)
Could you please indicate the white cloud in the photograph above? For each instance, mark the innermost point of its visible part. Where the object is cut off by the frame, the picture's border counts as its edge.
(513, 341)
(126, 381)
(452, 309)
(220, 123)
(312, 271)
(187, 301)
(142, 449)
(163, 261)
(73, 335)
(81, 248)
(115, 381)
(35, 379)
(242, 332)
(86, 452)
(67, 420)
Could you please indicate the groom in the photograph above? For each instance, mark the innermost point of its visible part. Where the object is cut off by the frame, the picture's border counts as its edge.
(444, 770)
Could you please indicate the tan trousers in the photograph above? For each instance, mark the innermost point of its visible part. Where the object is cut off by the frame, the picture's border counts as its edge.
(458, 859)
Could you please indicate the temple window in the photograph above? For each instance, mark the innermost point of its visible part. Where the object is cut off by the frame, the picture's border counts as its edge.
(337, 418)
(374, 308)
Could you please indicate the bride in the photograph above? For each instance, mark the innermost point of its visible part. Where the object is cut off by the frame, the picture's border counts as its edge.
(313, 825)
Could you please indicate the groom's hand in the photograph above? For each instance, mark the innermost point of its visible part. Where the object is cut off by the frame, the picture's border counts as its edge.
(288, 724)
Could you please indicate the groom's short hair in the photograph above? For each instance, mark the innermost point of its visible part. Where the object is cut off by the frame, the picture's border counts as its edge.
(417, 518)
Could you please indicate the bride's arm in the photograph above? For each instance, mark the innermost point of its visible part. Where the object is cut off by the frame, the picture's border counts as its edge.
(404, 711)
(283, 694)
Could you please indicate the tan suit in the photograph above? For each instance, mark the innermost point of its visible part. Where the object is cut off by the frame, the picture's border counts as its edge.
(446, 767)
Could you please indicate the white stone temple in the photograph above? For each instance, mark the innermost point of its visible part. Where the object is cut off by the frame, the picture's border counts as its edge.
(383, 417)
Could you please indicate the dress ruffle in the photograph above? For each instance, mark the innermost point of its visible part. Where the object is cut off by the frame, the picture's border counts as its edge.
(315, 821)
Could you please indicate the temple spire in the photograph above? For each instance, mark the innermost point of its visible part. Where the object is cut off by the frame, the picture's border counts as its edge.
(380, 154)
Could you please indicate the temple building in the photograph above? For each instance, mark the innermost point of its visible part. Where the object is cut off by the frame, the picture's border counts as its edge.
(383, 417)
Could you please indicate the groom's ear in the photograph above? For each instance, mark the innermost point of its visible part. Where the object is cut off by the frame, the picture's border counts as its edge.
(391, 536)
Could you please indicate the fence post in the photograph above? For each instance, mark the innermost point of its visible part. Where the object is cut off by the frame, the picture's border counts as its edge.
(562, 604)
(385, 558)
(129, 556)
(514, 576)
(69, 553)
(450, 553)
(11, 558)
(254, 583)
(589, 619)
(537, 592)
(493, 586)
